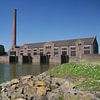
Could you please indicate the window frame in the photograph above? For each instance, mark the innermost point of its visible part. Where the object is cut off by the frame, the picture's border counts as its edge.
(73, 51)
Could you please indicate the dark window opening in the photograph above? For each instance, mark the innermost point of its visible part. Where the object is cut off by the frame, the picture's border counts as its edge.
(41, 50)
(55, 51)
(21, 51)
(29, 54)
(73, 48)
(95, 49)
(21, 54)
(73, 51)
(87, 47)
(13, 53)
(64, 49)
(35, 53)
(35, 50)
(41, 53)
(29, 50)
(48, 47)
(86, 51)
(64, 52)
(79, 44)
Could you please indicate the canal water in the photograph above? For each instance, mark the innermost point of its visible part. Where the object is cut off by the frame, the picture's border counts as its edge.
(10, 71)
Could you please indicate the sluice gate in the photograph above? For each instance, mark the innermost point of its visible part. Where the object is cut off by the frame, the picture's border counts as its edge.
(13, 59)
(26, 59)
(44, 59)
(64, 59)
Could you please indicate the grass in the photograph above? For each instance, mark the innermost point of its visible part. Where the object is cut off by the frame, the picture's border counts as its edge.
(61, 97)
(85, 76)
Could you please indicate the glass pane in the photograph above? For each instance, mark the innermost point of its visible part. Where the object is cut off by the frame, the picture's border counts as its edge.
(73, 53)
(87, 52)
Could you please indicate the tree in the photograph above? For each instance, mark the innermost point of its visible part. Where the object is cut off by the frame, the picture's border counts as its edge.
(2, 50)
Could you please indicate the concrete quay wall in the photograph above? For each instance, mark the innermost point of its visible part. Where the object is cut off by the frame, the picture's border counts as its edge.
(55, 60)
(91, 58)
(4, 59)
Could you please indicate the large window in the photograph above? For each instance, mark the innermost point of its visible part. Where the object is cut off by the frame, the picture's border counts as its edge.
(21, 54)
(13, 53)
(55, 51)
(73, 51)
(41, 51)
(29, 54)
(35, 52)
(87, 50)
(64, 51)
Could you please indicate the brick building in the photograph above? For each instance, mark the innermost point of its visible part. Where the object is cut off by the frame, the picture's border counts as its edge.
(56, 51)
(53, 51)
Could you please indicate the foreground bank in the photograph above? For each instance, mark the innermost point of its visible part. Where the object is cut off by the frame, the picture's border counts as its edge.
(61, 83)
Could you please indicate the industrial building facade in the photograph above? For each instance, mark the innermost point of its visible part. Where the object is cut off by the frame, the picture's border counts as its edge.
(55, 51)
(51, 52)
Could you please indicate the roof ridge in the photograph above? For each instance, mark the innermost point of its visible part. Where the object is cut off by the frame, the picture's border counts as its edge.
(87, 40)
(60, 40)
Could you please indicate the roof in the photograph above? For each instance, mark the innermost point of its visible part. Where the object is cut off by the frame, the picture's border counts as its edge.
(87, 41)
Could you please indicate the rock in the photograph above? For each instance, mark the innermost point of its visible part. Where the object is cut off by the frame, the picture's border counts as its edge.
(26, 77)
(33, 90)
(40, 83)
(59, 81)
(13, 95)
(19, 90)
(5, 84)
(30, 83)
(66, 86)
(52, 96)
(14, 81)
(42, 87)
(41, 91)
(13, 86)
(20, 99)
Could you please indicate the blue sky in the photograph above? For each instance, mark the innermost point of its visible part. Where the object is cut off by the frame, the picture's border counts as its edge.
(48, 20)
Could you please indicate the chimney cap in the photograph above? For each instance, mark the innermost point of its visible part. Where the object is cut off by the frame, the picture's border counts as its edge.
(15, 9)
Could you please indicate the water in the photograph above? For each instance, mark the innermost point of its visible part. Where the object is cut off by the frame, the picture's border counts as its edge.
(10, 71)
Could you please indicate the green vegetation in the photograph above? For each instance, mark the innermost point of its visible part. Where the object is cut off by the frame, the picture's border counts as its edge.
(85, 76)
(61, 97)
(2, 50)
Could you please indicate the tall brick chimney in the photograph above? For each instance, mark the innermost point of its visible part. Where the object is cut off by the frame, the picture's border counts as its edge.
(14, 29)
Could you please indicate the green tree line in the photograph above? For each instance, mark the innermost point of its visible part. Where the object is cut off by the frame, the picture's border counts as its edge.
(2, 50)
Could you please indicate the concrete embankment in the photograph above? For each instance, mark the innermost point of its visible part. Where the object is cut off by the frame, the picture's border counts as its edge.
(42, 87)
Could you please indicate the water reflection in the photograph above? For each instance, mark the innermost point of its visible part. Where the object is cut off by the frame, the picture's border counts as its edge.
(10, 71)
